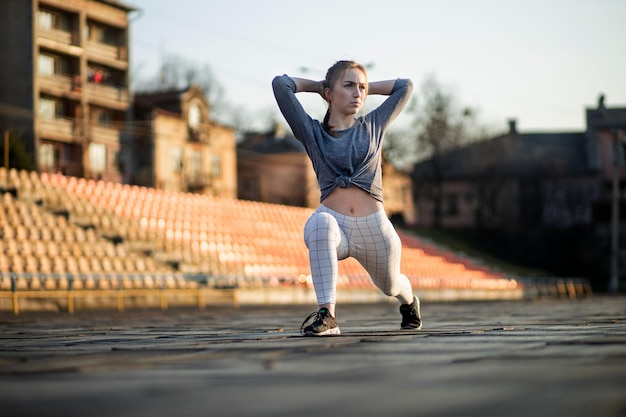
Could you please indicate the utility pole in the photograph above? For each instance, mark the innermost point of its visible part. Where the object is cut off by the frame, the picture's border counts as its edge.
(6, 150)
(614, 282)
(615, 124)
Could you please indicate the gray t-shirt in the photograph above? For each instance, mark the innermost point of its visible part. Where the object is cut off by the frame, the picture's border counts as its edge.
(353, 157)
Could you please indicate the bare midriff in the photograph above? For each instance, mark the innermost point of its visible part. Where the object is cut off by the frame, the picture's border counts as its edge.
(352, 201)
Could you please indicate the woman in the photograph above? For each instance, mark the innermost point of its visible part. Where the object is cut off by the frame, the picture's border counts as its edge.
(346, 156)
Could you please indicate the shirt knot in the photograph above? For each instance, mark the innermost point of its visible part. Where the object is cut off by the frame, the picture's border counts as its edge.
(343, 182)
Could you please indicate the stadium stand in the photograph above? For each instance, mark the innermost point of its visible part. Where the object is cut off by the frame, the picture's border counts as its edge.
(68, 233)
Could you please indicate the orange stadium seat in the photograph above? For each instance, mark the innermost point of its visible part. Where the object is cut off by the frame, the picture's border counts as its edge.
(203, 234)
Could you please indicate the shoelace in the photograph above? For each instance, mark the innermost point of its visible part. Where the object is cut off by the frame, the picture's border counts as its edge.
(315, 314)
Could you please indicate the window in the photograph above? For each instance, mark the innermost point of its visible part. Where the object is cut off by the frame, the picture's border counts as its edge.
(103, 34)
(46, 156)
(46, 64)
(193, 170)
(195, 164)
(49, 20)
(47, 109)
(216, 166)
(194, 116)
(97, 158)
(177, 160)
(45, 19)
(452, 204)
(105, 118)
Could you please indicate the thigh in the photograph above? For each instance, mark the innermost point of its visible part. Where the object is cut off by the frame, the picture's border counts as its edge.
(378, 248)
(323, 229)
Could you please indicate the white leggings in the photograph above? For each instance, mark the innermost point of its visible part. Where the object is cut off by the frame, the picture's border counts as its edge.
(371, 240)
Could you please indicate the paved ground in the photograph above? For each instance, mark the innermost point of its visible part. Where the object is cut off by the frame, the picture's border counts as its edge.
(499, 358)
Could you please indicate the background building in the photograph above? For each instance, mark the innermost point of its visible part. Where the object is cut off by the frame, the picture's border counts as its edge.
(548, 199)
(273, 167)
(175, 146)
(64, 82)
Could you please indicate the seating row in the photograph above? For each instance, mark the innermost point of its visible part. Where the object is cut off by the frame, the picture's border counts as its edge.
(36, 282)
(78, 264)
(192, 233)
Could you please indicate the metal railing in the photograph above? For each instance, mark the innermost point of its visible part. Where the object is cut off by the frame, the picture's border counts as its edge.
(66, 289)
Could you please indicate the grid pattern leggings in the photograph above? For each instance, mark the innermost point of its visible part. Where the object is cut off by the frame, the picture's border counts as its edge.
(371, 240)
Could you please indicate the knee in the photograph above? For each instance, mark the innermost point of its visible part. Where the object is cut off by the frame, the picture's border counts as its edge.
(394, 287)
(320, 227)
(391, 289)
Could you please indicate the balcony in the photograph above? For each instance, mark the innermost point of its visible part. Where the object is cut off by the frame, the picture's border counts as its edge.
(60, 40)
(58, 85)
(104, 134)
(59, 35)
(60, 129)
(111, 54)
(107, 95)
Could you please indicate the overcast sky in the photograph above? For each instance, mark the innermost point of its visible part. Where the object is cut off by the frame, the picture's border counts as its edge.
(541, 62)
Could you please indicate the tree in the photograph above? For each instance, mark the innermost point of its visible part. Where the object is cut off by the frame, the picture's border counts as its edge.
(19, 157)
(440, 126)
(177, 72)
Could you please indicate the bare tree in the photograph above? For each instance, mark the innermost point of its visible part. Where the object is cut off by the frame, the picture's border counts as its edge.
(178, 72)
(441, 126)
(399, 149)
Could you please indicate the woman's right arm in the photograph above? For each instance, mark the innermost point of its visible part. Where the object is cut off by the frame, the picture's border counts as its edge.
(285, 89)
(304, 85)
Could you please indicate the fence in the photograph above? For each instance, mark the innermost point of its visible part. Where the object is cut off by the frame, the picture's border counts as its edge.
(68, 291)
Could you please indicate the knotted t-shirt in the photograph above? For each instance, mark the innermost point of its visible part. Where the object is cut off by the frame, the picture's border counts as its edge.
(353, 156)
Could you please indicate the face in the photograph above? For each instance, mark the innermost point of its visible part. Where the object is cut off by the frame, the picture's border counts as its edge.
(348, 93)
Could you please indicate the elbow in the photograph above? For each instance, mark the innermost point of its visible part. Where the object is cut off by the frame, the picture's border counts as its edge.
(405, 84)
(276, 82)
(283, 82)
(409, 84)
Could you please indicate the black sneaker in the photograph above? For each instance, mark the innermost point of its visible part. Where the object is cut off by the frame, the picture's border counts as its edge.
(411, 316)
(323, 325)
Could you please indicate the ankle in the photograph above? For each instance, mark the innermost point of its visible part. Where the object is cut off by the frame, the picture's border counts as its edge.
(330, 307)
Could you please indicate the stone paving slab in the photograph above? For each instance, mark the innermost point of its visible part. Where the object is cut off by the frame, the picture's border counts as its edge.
(498, 358)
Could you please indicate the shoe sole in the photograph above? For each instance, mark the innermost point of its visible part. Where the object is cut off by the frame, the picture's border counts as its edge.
(330, 332)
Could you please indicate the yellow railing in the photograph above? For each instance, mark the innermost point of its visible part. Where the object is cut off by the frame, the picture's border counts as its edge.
(67, 294)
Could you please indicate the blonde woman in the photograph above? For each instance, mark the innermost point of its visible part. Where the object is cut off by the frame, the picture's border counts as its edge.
(346, 154)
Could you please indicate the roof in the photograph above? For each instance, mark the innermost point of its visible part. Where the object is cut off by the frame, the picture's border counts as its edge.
(272, 142)
(167, 100)
(119, 5)
(513, 154)
(607, 118)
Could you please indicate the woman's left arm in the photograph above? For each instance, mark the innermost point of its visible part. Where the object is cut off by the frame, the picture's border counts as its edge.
(398, 92)
(383, 88)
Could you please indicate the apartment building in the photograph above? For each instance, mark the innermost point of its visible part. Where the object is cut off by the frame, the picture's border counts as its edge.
(64, 82)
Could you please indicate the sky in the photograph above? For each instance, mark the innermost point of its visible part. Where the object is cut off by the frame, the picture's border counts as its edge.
(541, 62)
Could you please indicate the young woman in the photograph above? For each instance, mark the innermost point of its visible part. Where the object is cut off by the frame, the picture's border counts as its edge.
(346, 154)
